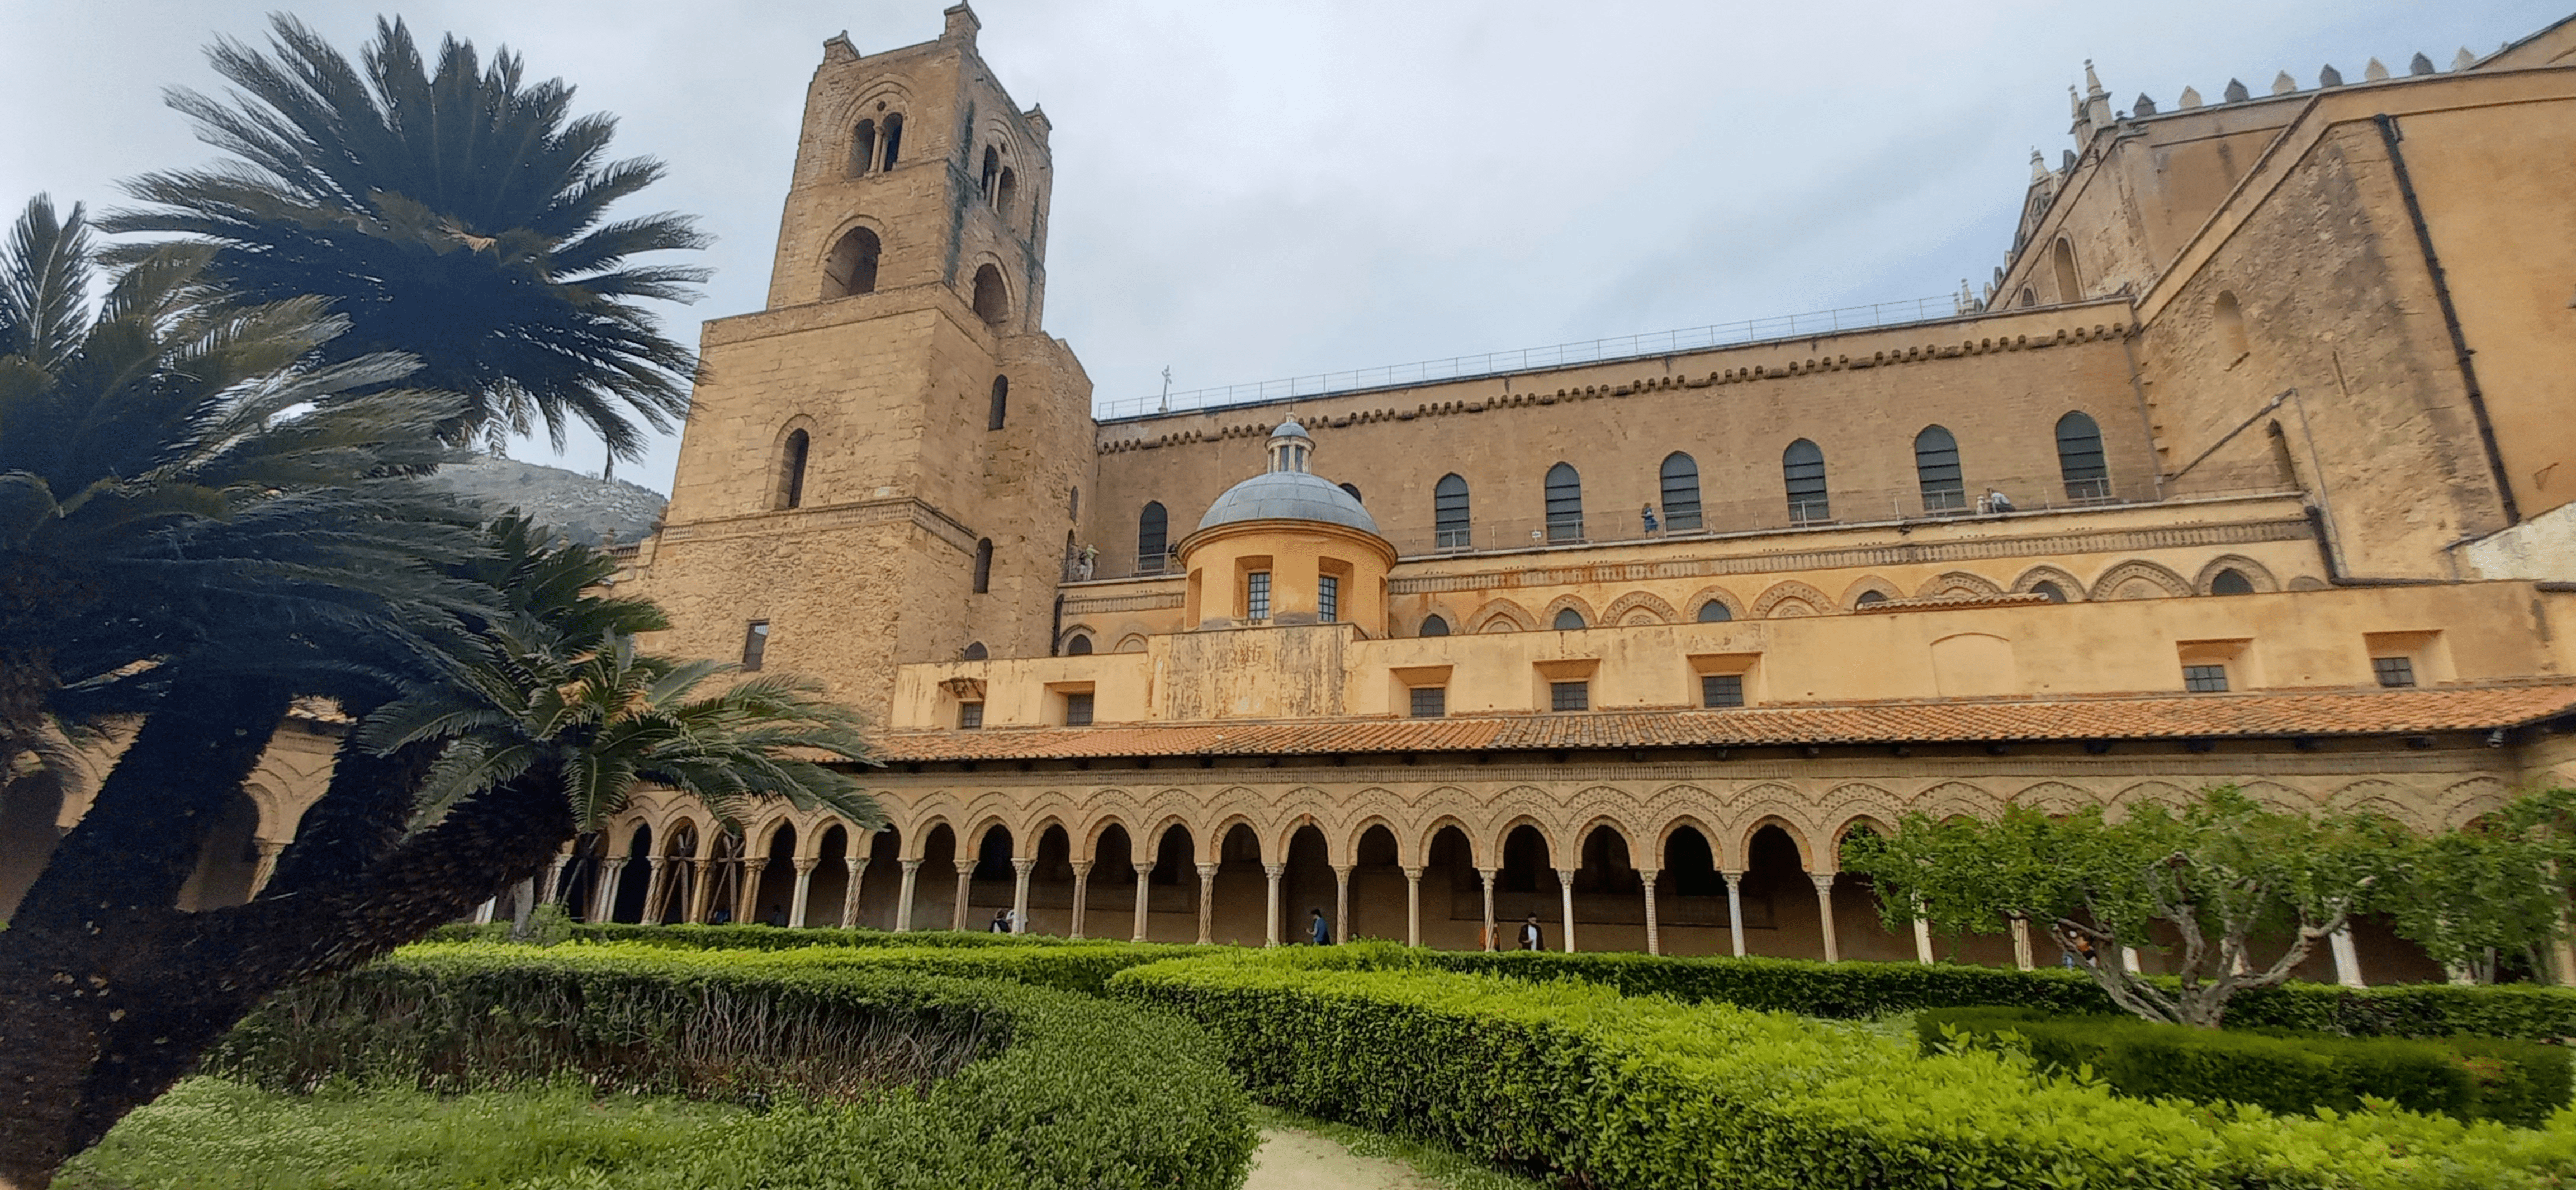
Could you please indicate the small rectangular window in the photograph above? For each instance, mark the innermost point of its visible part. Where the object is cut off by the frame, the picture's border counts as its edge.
(1328, 599)
(1569, 696)
(1077, 709)
(2394, 671)
(970, 715)
(1430, 702)
(2205, 679)
(1721, 690)
(1256, 595)
(755, 643)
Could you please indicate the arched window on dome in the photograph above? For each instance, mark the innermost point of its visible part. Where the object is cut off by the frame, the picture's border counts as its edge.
(1434, 626)
(1353, 489)
(2079, 458)
(1152, 527)
(1449, 526)
(1680, 478)
(1936, 470)
(1802, 469)
(1564, 503)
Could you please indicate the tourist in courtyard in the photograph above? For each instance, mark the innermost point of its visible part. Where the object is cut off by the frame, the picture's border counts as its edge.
(778, 916)
(1532, 937)
(1318, 930)
(1001, 923)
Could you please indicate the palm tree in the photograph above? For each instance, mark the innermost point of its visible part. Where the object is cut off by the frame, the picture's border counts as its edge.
(459, 217)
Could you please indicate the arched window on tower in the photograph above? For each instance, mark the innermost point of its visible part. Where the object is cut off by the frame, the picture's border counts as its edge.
(863, 147)
(1680, 476)
(852, 267)
(1802, 469)
(992, 300)
(992, 174)
(1564, 503)
(1152, 526)
(2079, 458)
(2061, 260)
(893, 140)
(1006, 192)
(1449, 526)
(1936, 470)
(2228, 318)
(791, 470)
(1001, 403)
(983, 565)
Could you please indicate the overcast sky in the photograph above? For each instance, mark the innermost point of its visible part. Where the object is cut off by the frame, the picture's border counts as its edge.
(1249, 191)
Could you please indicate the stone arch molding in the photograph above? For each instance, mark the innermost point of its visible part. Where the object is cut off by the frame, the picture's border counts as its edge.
(1956, 584)
(1723, 597)
(2254, 572)
(1865, 585)
(1510, 616)
(2071, 587)
(2139, 579)
(1639, 607)
(1577, 604)
(1788, 599)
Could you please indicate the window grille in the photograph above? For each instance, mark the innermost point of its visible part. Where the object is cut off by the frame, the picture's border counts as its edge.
(1569, 696)
(2204, 679)
(1681, 492)
(970, 716)
(1936, 469)
(1430, 702)
(1802, 470)
(1077, 709)
(1256, 595)
(1721, 690)
(1449, 524)
(1328, 599)
(1152, 526)
(1564, 504)
(2393, 671)
(2079, 458)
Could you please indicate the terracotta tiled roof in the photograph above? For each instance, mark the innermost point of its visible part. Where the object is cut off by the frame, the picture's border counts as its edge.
(2275, 715)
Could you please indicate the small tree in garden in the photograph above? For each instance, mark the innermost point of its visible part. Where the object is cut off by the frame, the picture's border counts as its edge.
(2219, 874)
(2494, 889)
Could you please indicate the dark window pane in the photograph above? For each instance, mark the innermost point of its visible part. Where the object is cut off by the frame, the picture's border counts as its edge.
(1328, 599)
(1430, 702)
(2079, 458)
(1569, 696)
(1151, 527)
(1721, 690)
(1079, 646)
(1564, 504)
(1568, 620)
(1077, 709)
(1256, 595)
(970, 715)
(1802, 469)
(755, 643)
(1715, 611)
(1936, 468)
(2049, 591)
(2204, 679)
(2394, 671)
(1435, 626)
(1449, 514)
(1681, 491)
(2231, 581)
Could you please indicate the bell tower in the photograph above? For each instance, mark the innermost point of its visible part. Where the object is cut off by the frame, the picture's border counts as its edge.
(880, 466)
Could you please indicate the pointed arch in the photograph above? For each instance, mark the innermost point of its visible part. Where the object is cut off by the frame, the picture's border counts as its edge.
(1564, 503)
(2251, 576)
(1557, 608)
(1802, 474)
(2059, 586)
(1936, 470)
(1713, 605)
(2140, 579)
(1501, 615)
(1954, 584)
(1866, 590)
(1452, 527)
(851, 268)
(1638, 607)
(1678, 480)
(1790, 598)
(2080, 461)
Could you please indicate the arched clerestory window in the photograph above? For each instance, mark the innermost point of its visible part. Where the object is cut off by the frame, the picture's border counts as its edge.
(1802, 471)
(1152, 528)
(1680, 476)
(2228, 318)
(863, 147)
(983, 565)
(1936, 471)
(1568, 620)
(1434, 625)
(2079, 458)
(1001, 403)
(1079, 646)
(1715, 611)
(791, 470)
(852, 267)
(2061, 261)
(1564, 503)
(1449, 524)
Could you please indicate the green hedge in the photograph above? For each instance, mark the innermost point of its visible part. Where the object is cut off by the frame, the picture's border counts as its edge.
(1860, 990)
(879, 1074)
(2471, 1078)
(1628, 1092)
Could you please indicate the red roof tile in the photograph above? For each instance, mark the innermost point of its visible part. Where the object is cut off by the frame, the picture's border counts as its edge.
(2276, 715)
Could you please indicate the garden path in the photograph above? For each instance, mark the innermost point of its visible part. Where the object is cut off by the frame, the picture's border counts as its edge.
(1290, 1159)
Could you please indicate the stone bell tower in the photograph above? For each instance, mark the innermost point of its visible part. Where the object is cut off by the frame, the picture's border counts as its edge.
(881, 466)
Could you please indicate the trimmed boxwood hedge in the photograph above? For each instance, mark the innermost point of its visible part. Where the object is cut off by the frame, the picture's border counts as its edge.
(877, 1073)
(1642, 1092)
(1859, 990)
(2471, 1078)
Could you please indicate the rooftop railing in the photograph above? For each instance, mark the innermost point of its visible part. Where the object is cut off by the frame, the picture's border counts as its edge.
(1528, 359)
(1417, 534)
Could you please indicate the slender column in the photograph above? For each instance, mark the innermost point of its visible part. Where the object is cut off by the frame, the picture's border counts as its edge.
(965, 885)
(702, 891)
(804, 890)
(1413, 906)
(1207, 903)
(1081, 893)
(1735, 909)
(554, 878)
(903, 895)
(1488, 875)
(1824, 882)
(1275, 871)
(483, 912)
(1020, 870)
(654, 882)
(747, 898)
(1654, 942)
(612, 872)
(269, 849)
(2021, 943)
(858, 866)
(1565, 891)
(1144, 882)
(1342, 903)
(2347, 958)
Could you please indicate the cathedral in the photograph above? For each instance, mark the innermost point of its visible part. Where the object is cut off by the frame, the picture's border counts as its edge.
(2242, 469)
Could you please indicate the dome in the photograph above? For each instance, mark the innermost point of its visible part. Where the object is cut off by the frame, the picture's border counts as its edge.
(1288, 492)
(1291, 496)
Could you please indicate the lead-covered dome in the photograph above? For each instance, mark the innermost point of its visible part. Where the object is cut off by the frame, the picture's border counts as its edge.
(1288, 491)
